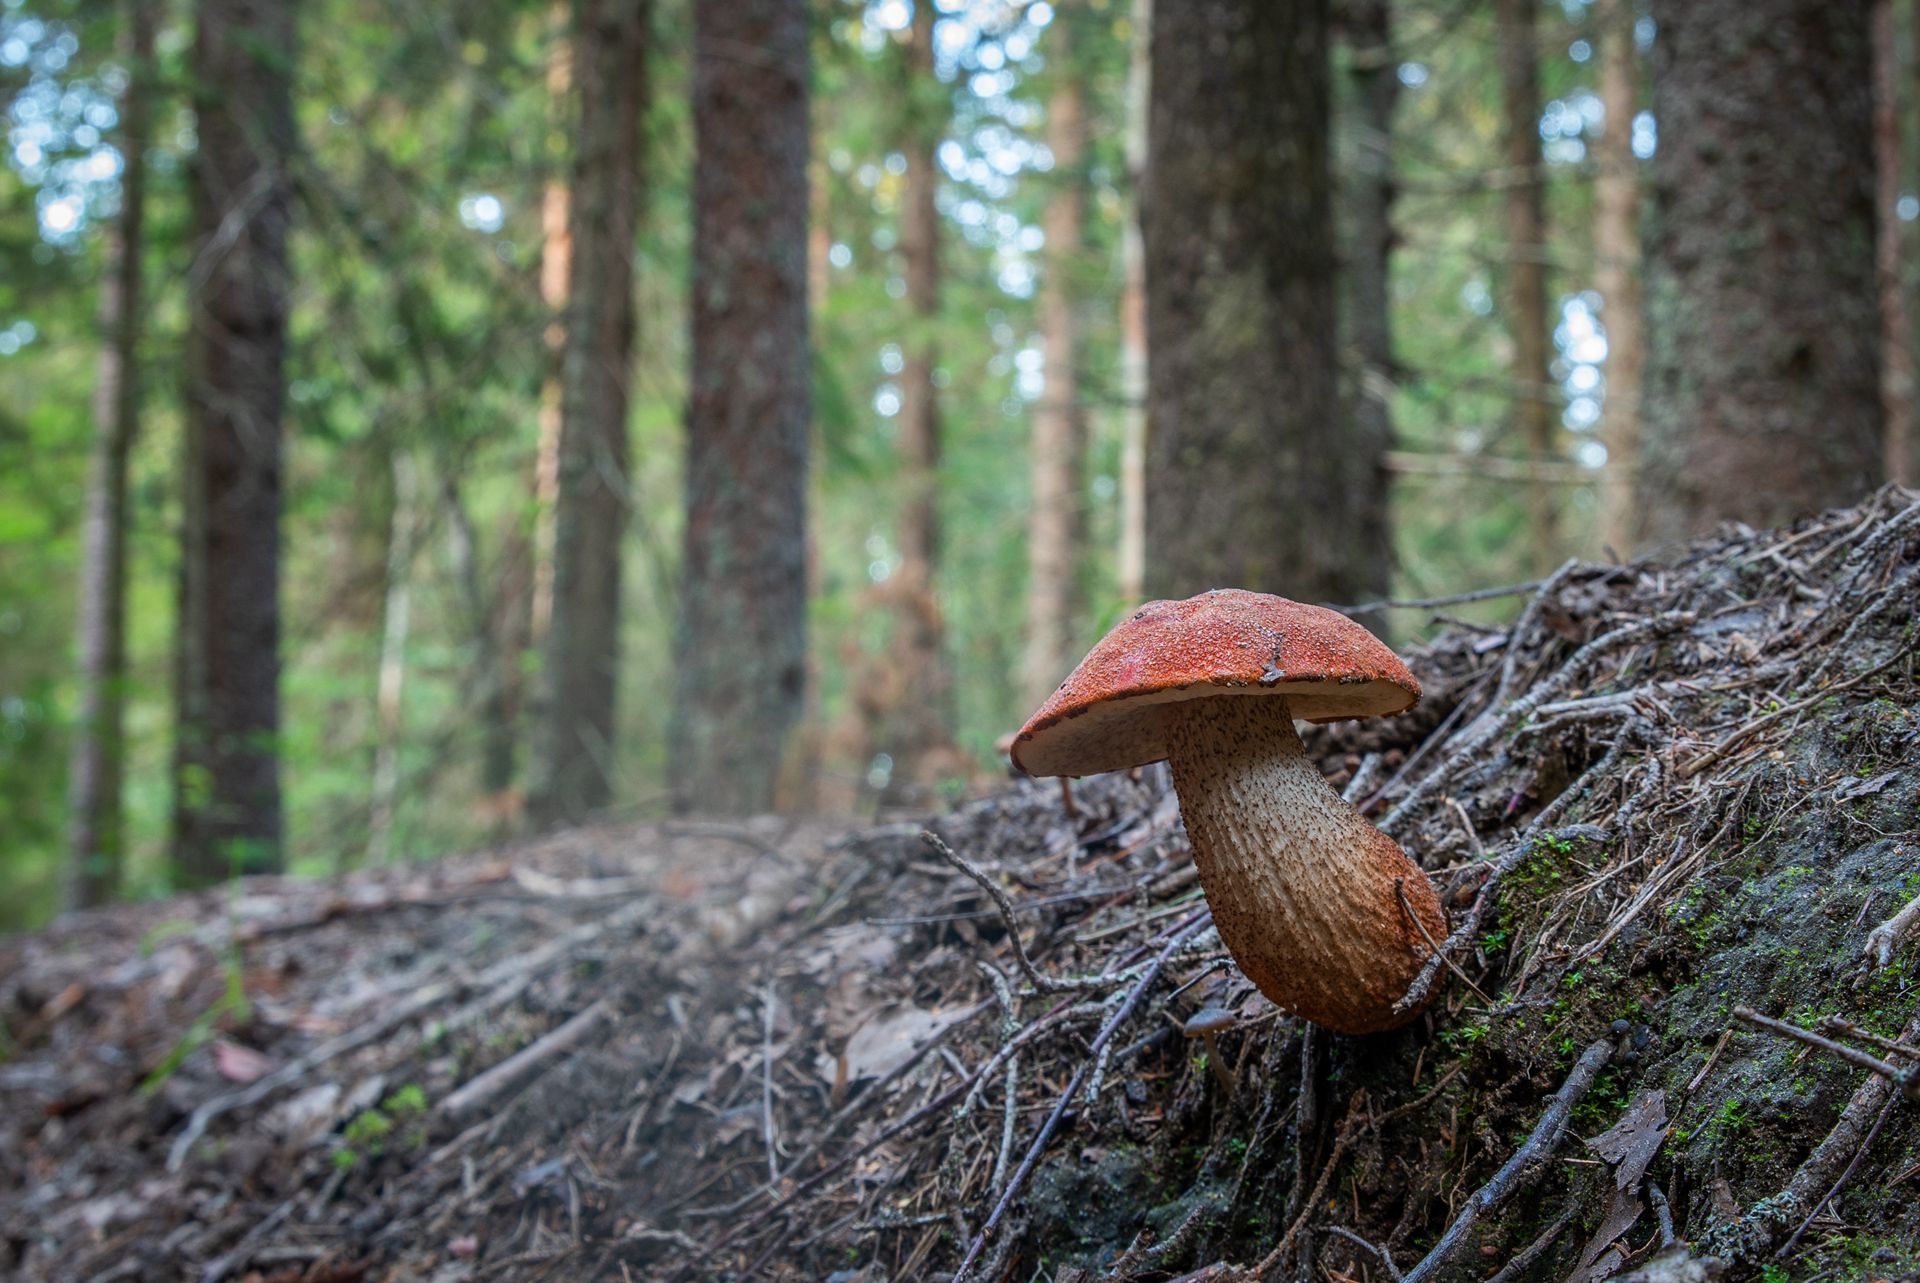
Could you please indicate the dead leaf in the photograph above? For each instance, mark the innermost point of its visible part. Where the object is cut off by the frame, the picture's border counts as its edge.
(239, 1064)
(1850, 789)
(889, 1039)
(1629, 1146)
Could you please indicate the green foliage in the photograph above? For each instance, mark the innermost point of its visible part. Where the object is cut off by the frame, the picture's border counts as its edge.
(428, 140)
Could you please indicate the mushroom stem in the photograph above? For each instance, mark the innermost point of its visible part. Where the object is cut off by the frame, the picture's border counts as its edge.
(1302, 886)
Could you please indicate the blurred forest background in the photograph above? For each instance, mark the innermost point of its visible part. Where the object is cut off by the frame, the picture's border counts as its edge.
(440, 420)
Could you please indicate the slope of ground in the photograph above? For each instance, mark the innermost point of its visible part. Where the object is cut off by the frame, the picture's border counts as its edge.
(1668, 793)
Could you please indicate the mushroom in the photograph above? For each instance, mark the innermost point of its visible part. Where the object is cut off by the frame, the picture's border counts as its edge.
(1205, 1024)
(1312, 900)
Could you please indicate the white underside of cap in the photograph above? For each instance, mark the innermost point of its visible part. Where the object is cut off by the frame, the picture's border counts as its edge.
(1130, 731)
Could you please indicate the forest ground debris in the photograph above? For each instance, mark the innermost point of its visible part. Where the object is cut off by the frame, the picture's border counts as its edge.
(1669, 790)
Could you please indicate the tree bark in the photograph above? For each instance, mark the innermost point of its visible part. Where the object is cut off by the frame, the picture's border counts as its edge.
(581, 655)
(1526, 221)
(95, 834)
(919, 731)
(1254, 481)
(1057, 529)
(1763, 391)
(1616, 250)
(1896, 356)
(556, 266)
(1374, 71)
(740, 658)
(1132, 553)
(396, 621)
(227, 816)
(497, 616)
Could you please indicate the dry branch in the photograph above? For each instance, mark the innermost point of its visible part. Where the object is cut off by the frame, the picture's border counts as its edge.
(1526, 1166)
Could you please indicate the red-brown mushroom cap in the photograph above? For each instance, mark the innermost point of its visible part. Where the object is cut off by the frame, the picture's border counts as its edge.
(1227, 643)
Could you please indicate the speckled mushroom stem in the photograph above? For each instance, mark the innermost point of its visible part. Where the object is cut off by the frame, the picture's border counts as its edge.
(1302, 886)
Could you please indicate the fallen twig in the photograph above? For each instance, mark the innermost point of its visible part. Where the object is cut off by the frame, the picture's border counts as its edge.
(1340, 1231)
(484, 1089)
(1113, 1024)
(496, 978)
(1885, 938)
(1041, 983)
(1527, 1163)
(1755, 1234)
(1906, 1080)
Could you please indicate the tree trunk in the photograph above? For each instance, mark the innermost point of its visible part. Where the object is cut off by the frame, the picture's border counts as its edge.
(497, 616)
(1896, 357)
(919, 732)
(1763, 391)
(1531, 328)
(1254, 480)
(556, 266)
(1057, 531)
(581, 655)
(1616, 250)
(741, 653)
(96, 840)
(227, 784)
(1374, 71)
(396, 619)
(1132, 555)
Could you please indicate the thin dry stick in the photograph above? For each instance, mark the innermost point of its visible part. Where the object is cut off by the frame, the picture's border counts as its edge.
(1786, 1248)
(1732, 739)
(1400, 889)
(1340, 1231)
(486, 1088)
(1758, 1232)
(766, 1088)
(499, 979)
(1883, 939)
(1533, 1251)
(1889, 596)
(1847, 1029)
(1713, 1058)
(1510, 663)
(1113, 1024)
(1434, 603)
(1363, 777)
(1520, 709)
(1527, 1163)
(1286, 1242)
(1905, 1079)
(1041, 983)
(1464, 933)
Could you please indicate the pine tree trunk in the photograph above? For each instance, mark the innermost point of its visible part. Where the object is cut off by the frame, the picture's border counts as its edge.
(1896, 356)
(1369, 200)
(1616, 250)
(919, 728)
(1525, 209)
(396, 622)
(740, 658)
(581, 655)
(1254, 481)
(1763, 388)
(227, 816)
(95, 836)
(1132, 552)
(556, 267)
(1056, 534)
(496, 615)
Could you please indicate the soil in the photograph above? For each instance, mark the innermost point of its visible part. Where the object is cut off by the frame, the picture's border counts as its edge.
(1666, 793)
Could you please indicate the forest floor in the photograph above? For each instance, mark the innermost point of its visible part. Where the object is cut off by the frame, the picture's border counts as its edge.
(1669, 792)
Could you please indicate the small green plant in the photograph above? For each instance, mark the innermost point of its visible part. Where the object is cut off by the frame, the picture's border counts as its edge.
(369, 1132)
(231, 1005)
